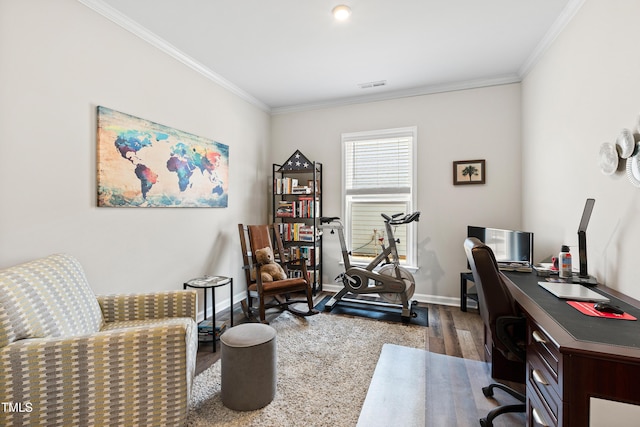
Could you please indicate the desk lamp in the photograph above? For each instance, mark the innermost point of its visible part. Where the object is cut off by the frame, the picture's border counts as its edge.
(583, 277)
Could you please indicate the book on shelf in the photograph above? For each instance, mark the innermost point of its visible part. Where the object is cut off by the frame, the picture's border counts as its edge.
(309, 253)
(310, 184)
(304, 207)
(285, 209)
(206, 329)
(294, 274)
(306, 233)
(297, 231)
(292, 186)
(307, 207)
(301, 190)
(284, 185)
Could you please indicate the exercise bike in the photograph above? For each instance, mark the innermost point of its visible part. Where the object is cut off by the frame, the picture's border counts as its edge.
(392, 282)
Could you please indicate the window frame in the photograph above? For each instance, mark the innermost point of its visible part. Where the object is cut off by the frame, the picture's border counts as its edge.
(364, 196)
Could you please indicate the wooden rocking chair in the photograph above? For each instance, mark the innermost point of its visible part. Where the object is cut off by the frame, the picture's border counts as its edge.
(252, 238)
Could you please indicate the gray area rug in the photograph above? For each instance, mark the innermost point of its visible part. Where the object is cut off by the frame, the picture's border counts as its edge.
(325, 365)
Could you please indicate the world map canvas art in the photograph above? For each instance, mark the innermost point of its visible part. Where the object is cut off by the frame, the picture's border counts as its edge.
(145, 164)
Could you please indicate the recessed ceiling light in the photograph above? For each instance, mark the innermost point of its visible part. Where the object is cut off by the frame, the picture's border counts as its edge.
(341, 12)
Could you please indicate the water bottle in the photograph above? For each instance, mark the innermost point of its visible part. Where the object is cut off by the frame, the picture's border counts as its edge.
(564, 263)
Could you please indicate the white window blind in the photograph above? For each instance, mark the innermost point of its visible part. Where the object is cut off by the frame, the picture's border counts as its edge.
(378, 165)
(378, 177)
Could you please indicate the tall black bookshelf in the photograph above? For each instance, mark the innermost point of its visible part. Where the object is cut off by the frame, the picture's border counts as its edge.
(296, 209)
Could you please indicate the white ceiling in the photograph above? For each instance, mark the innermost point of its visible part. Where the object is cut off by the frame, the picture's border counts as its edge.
(285, 55)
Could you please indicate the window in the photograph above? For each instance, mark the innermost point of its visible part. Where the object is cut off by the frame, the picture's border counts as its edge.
(378, 177)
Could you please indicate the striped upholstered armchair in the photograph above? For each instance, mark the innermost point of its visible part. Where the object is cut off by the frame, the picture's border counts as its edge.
(69, 358)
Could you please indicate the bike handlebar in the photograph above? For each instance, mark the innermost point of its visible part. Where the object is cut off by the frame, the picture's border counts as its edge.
(406, 219)
(393, 219)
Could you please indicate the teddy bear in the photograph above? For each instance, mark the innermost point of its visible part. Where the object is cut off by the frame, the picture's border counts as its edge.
(269, 269)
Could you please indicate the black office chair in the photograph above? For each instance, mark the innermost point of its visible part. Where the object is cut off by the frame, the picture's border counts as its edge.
(500, 316)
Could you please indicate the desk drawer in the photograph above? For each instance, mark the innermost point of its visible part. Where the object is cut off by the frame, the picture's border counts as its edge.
(539, 343)
(538, 414)
(541, 382)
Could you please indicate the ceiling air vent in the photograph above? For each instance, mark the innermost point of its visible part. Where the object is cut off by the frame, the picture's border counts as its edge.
(372, 84)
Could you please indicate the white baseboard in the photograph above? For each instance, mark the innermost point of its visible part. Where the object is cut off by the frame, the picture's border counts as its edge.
(425, 298)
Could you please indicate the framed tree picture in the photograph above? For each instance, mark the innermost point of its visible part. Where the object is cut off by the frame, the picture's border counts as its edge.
(469, 172)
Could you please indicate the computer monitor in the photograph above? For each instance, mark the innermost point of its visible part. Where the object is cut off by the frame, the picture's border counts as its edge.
(508, 246)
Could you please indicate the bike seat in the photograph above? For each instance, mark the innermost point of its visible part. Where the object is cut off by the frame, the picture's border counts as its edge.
(328, 219)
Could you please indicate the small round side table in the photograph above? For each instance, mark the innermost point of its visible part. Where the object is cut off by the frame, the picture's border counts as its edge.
(212, 282)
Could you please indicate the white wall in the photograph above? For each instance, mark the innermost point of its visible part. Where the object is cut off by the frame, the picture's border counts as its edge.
(582, 93)
(464, 125)
(59, 60)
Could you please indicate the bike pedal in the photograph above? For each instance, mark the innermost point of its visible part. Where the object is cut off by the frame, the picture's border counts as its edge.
(351, 279)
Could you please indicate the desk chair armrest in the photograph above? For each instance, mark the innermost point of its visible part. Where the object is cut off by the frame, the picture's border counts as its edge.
(503, 325)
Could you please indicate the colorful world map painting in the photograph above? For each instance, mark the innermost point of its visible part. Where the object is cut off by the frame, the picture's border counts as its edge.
(145, 164)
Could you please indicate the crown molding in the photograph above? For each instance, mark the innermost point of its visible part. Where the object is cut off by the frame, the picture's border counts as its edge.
(570, 10)
(556, 28)
(386, 96)
(128, 24)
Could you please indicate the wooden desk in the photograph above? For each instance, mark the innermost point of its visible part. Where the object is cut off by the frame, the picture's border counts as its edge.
(572, 357)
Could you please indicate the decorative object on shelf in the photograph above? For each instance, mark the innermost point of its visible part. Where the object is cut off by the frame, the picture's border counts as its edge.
(612, 156)
(296, 209)
(297, 162)
(608, 158)
(633, 169)
(469, 172)
(145, 164)
(625, 144)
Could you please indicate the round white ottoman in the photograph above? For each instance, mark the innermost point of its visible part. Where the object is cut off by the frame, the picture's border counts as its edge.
(248, 366)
